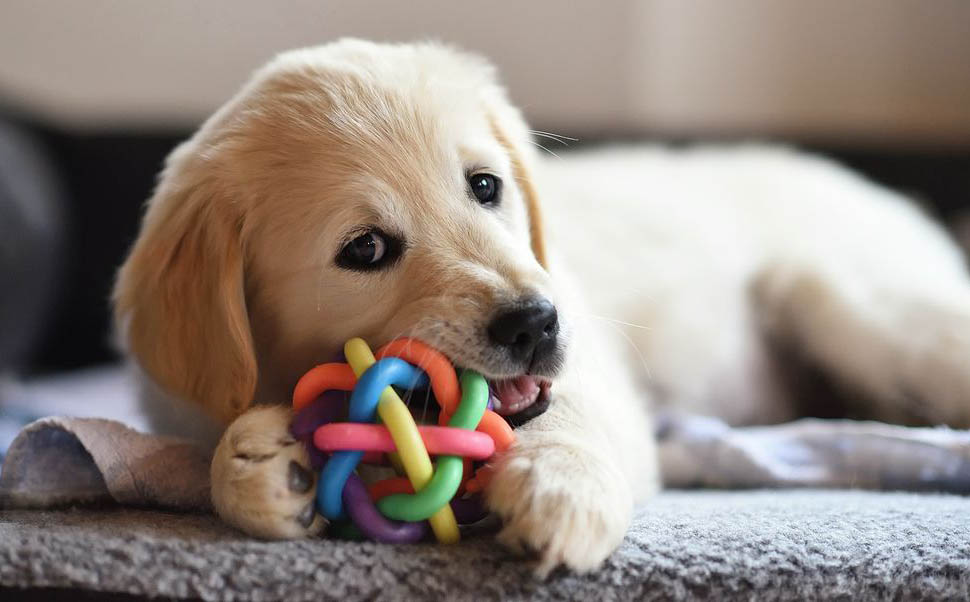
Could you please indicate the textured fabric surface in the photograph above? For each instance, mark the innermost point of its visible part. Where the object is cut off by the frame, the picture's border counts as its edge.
(764, 545)
(58, 460)
(700, 451)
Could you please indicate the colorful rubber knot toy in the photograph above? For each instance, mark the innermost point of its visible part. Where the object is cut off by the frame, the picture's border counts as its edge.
(380, 429)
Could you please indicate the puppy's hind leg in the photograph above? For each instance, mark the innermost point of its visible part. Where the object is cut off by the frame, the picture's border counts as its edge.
(886, 312)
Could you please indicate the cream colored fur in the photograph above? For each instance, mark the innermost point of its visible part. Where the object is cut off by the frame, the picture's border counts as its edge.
(669, 269)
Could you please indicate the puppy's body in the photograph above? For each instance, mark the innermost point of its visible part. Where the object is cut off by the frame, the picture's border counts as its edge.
(700, 259)
(669, 269)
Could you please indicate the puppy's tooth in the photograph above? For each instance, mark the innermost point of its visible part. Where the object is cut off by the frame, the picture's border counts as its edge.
(307, 515)
(300, 479)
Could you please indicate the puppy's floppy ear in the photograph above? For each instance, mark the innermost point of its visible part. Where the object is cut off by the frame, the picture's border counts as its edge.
(180, 297)
(509, 129)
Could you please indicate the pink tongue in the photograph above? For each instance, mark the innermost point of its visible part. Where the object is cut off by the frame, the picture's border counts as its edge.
(516, 394)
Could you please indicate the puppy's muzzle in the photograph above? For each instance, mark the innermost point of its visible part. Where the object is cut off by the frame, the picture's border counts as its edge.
(526, 332)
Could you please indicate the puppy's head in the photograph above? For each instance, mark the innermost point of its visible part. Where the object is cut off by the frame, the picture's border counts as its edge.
(349, 190)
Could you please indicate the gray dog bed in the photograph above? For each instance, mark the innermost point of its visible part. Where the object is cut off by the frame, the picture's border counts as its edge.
(751, 544)
(764, 545)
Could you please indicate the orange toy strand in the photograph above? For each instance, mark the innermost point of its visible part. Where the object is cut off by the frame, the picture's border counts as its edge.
(325, 377)
(481, 479)
(444, 381)
(493, 425)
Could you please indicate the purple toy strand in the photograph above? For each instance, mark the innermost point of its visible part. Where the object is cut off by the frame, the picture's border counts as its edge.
(329, 407)
(371, 522)
(468, 510)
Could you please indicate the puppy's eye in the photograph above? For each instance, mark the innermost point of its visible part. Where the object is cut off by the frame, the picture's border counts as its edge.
(369, 251)
(486, 188)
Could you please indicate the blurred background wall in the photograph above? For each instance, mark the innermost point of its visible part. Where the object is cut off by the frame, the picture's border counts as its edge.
(106, 87)
(864, 71)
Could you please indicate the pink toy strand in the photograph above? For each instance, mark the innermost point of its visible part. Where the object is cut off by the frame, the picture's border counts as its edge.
(439, 440)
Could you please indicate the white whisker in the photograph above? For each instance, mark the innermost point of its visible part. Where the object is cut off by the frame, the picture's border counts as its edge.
(643, 360)
(615, 321)
(545, 149)
(553, 136)
(614, 324)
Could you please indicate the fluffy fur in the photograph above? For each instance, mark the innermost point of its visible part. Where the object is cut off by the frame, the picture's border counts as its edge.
(691, 262)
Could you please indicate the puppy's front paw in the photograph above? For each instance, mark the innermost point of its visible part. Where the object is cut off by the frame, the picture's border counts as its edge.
(261, 480)
(561, 499)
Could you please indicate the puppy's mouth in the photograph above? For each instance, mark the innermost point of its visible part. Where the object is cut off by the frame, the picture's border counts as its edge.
(520, 398)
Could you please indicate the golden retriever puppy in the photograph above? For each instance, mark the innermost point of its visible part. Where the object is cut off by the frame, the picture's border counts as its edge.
(359, 189)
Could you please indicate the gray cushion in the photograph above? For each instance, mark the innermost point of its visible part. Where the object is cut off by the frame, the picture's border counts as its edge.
(785, 545)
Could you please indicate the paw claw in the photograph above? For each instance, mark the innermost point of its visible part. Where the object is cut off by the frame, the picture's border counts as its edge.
(300, 479)
(306, 516)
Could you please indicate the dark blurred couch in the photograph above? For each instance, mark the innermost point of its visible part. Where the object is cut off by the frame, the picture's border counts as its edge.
(87, 190)
(70, 203)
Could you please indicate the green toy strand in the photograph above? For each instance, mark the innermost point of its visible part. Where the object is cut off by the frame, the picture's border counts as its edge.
(448, 469)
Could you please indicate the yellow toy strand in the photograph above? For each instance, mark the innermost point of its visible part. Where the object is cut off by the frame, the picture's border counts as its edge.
(398, 420)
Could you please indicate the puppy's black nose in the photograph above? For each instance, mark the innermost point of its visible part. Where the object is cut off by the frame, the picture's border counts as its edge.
(527, 330)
